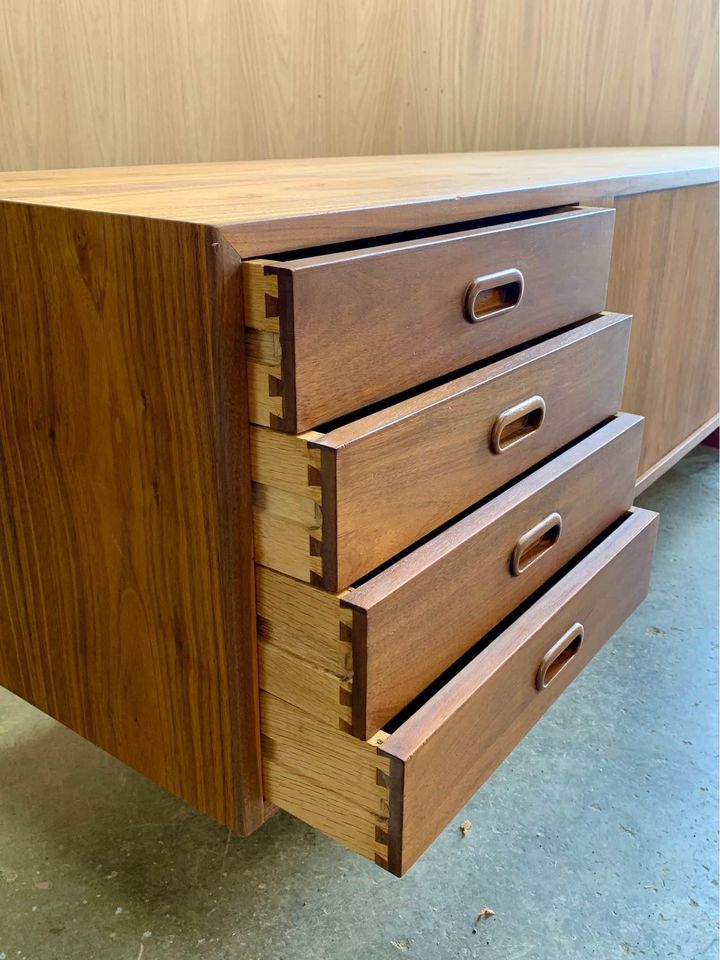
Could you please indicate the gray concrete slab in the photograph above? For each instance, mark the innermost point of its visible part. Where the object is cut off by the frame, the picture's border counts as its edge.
(596, 839)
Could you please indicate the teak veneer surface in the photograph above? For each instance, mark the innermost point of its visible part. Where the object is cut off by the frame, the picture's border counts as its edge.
(126, 599)
(665, 272)
(269, 206)
(414, 619)
(126, 548)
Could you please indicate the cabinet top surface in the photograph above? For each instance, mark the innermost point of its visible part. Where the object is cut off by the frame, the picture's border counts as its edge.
(265, 206)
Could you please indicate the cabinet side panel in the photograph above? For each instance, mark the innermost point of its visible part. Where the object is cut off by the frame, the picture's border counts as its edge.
(665, 272)
(125, 579)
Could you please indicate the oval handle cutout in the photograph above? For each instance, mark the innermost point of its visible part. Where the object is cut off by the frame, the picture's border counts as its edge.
(516, 423)
(536, 543)
(559, 655)
(492, 295)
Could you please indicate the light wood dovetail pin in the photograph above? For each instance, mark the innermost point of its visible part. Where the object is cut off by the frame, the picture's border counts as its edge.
(262, 344)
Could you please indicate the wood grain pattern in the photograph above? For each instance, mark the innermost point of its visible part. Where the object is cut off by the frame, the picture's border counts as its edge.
(305, 647)
(109, 83)
(665, 271)
(126, 601)
(288, 508)
(393, 297)
(266, 207)
(459, 585)
(395, 475)
(442, 754)
(287, 502)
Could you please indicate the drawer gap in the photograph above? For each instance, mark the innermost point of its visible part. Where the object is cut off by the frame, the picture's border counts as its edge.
(330, 653)
(446, 229)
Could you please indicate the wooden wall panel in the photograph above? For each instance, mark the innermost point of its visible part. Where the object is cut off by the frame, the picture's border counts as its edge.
(98, 82)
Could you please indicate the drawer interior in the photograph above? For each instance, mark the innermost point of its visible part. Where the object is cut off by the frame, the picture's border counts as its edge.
(388, 797)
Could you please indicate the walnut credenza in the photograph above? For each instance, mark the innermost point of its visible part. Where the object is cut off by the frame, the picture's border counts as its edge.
(314, 488)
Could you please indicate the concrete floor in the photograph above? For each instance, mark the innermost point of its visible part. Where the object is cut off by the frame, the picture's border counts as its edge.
(596, 839)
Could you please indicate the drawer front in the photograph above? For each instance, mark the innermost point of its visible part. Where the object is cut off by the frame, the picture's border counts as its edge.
(332, 333)
(388, 798)
(330, 508)
(462, 583)
(354, 660)
(452, 744)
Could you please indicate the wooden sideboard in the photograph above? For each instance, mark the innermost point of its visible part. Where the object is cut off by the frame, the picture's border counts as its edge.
(315, 491)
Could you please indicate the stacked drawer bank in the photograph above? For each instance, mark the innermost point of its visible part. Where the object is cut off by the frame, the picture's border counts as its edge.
(315, 491)
(443, 522)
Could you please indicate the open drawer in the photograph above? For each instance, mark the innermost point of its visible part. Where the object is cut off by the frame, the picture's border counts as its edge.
(331, 507)
(329, 332)
(388, 798)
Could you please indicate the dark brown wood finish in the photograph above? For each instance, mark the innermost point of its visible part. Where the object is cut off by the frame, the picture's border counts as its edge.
(362, 325)
(451, 745)
(398, 474)
(412, 621)
(126, 602)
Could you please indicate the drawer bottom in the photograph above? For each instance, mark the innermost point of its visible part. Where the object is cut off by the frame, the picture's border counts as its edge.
(388, 798)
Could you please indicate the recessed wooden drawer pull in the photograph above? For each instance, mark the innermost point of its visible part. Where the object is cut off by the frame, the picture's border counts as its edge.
(559, 655)
(536, 542)
(516, 423)
(491, 296)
